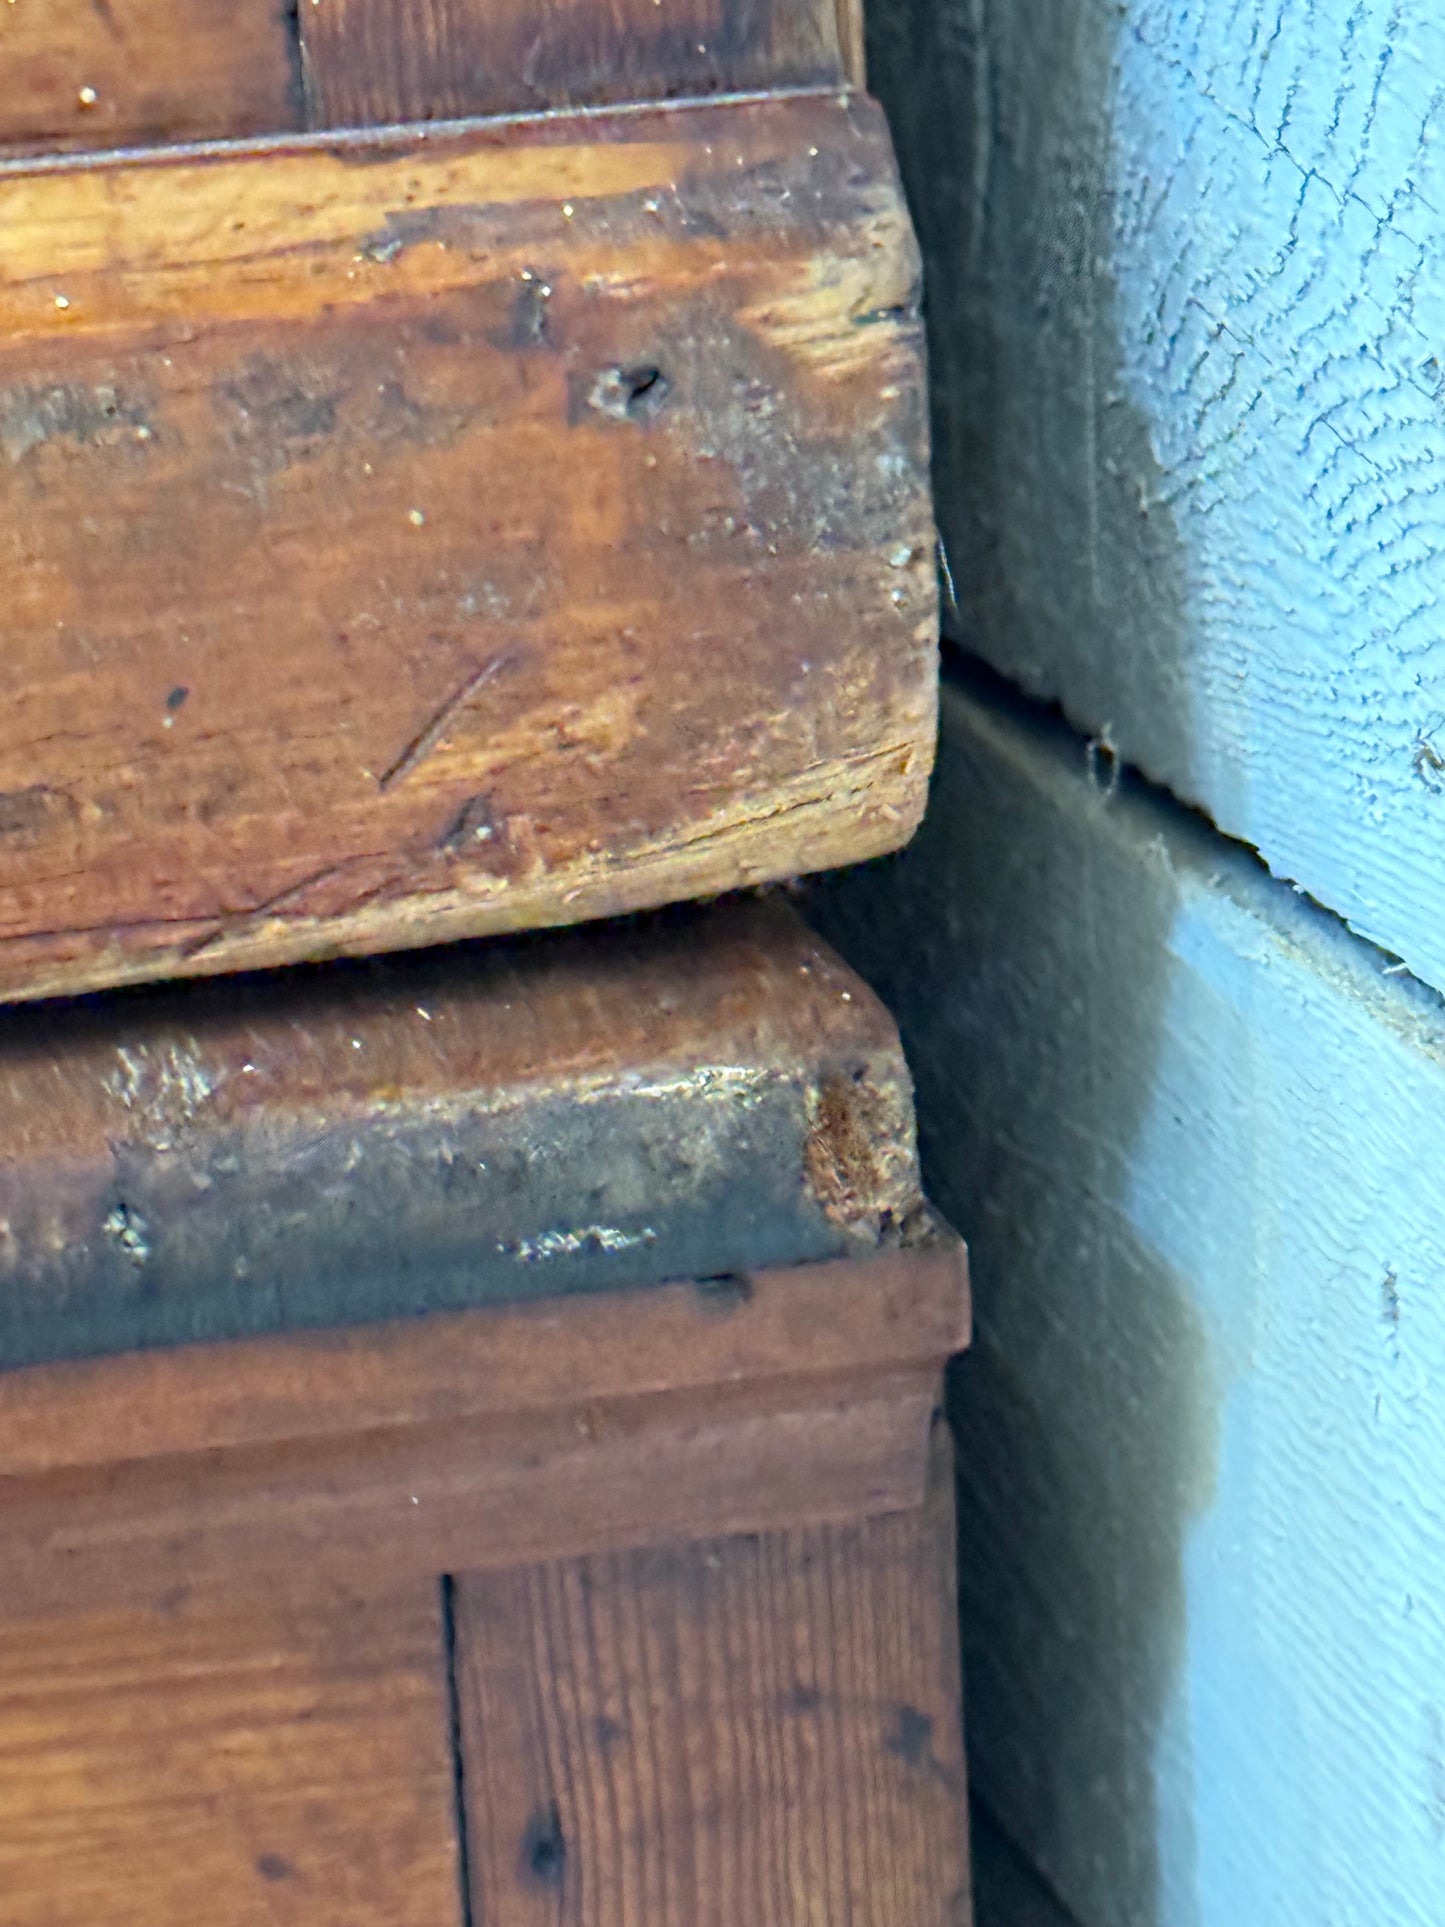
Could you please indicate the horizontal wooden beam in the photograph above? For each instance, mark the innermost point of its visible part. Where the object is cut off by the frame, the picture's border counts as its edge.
(418, 536)
(711, 1091)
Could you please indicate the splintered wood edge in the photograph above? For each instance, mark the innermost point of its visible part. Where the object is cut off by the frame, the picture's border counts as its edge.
(839, 813)
(847, 1318)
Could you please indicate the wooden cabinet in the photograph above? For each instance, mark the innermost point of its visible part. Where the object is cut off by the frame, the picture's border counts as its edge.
(400, 1513)
(631, 1610)
(464, 1423)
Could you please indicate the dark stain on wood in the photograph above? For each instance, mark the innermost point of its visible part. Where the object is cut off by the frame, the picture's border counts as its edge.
(635, 1105)
(714, 588)
(34, 812)
(544, 1848)
(83, 413)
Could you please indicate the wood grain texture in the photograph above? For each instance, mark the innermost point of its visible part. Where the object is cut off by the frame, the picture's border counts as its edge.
(418, 537)
(121, 73)
(893, 1312)
(1187, 346)
(487, 1438)
(239, 1762)
(372, 62)
(713, 1091)
(760, 1730)
(1183, 1116)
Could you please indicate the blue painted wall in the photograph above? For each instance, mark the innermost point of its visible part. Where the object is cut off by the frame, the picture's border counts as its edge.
(1187, 278)
(1196, 1139)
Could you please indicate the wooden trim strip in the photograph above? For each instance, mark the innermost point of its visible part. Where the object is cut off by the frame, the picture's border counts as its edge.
(897, 1310)
(468, 1442)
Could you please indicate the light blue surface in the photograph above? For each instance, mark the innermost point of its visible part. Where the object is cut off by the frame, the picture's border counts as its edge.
(1301, 1745)
(1189, 269)
(1196, 1137)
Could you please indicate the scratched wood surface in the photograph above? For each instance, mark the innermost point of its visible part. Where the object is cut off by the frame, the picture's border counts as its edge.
(409, 538)
(371, 61)
(480, 1438)
(760, 1730)
(708, 1091)
(112, 73)
(237, 1761)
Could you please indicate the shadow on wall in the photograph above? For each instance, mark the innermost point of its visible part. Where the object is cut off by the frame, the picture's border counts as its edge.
(1031, 984)
(1085, 1412)
(1054, 512)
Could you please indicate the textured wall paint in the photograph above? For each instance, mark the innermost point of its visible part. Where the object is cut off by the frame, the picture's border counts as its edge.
(1187, 295)
(1196, 1137)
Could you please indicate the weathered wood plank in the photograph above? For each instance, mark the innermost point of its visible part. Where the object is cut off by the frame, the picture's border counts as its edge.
(481, 1439)
(376, 61)
(234, 1761)
(710, 1093)
(888, 1314)
(119, 73)
(1186, 328)
(1194, 1136)
(760, 1730)
(415, 537)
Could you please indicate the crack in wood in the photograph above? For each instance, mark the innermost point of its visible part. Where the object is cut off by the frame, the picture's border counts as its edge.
(427, 739)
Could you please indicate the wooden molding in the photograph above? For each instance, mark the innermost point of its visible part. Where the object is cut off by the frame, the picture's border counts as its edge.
(479, 1439)
(415, 536)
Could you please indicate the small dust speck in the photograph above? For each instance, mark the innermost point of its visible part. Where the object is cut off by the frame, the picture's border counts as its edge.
(128, 1231)
(568, 210)
(62, 301)
(416, 517)
(87, 97)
